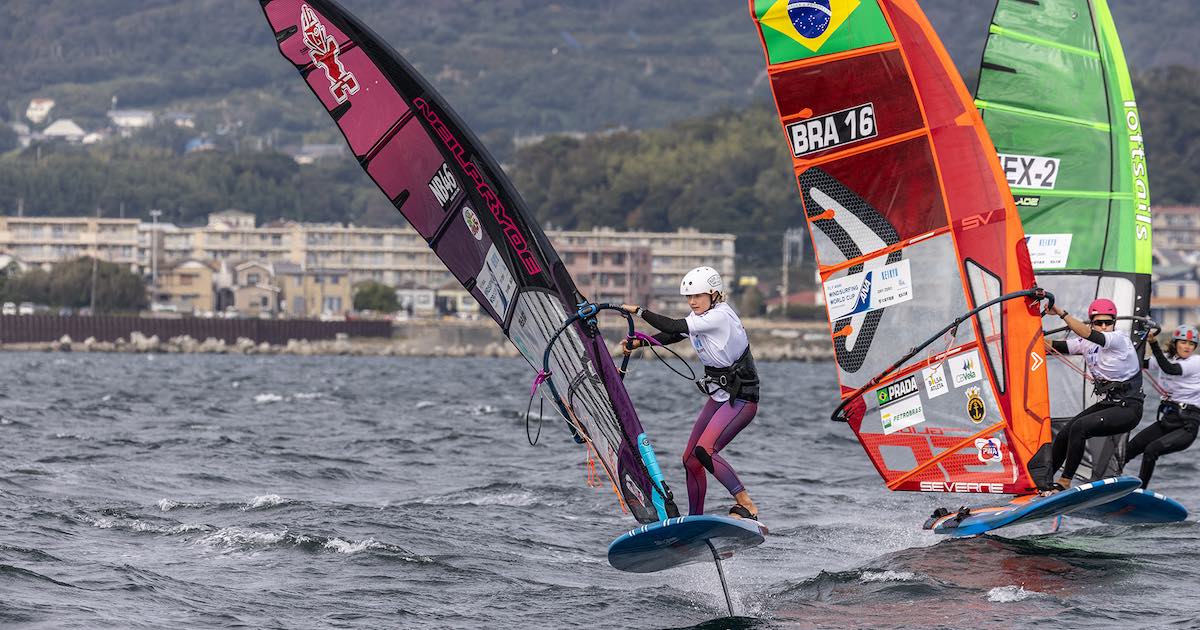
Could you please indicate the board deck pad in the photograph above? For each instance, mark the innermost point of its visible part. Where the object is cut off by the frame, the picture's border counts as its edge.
(1137, 507)
(1030, 508)
(678, 541)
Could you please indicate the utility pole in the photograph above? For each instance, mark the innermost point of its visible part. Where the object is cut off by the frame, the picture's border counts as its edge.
(792, 238)
(154, 214)
(95, 255)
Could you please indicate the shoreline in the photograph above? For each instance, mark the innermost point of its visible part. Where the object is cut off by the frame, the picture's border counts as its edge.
(772, 341)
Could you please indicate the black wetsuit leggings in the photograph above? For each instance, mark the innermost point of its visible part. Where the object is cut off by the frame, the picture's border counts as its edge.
(1102, 418)
(1169, 435)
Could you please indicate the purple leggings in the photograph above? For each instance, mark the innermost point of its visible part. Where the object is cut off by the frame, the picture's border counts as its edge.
(715, 427)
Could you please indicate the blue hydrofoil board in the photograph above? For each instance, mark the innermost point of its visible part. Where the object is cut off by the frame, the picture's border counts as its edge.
(1032, 507)
(1139, 506)
(684, 540)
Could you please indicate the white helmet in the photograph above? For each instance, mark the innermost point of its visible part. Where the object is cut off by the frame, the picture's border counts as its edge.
(701, 280)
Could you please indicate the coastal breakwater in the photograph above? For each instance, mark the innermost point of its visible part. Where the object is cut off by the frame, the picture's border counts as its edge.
(771, 340)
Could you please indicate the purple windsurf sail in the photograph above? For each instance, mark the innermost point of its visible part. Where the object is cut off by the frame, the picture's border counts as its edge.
(439, 176)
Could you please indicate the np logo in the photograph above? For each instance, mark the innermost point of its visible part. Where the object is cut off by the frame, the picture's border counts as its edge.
(989, 450)
(976, 409)
(443, 185)
(323, 49)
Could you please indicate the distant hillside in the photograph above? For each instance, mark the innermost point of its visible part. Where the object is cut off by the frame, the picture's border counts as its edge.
(512, 66)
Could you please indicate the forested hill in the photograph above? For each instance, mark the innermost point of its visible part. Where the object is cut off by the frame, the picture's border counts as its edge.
(510, 66)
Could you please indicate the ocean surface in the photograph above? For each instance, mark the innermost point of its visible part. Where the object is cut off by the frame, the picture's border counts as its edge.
(208, 491)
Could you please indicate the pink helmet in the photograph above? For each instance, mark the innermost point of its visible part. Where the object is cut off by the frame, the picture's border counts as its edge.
(1102, 306)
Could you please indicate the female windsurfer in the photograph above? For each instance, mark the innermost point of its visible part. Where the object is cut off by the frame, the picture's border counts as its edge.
(1116, 370)
(1179, 412)
(730, 381)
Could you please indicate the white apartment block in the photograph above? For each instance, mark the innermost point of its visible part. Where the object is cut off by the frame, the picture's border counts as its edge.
(672, 253)
(394, 255)
(44, 241)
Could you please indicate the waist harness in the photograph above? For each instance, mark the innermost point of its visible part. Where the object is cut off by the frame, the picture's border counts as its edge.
(1177, 415)
(1124, 393)
(739, 379)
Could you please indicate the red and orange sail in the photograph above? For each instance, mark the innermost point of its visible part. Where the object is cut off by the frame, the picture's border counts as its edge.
(913, 226)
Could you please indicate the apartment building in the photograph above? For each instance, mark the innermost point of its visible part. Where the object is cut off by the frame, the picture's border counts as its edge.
(672, 254)
(44, 241)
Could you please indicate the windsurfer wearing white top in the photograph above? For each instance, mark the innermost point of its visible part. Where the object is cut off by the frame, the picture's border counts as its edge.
(1179, 412)
(730, 383)
(1116, 370)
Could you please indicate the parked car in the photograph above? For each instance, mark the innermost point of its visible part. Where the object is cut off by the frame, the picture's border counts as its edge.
(25, 308)
(9, 308)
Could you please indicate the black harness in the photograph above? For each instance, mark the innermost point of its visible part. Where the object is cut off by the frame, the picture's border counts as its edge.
(1177, 415)
(1124, 393)
(739, 379)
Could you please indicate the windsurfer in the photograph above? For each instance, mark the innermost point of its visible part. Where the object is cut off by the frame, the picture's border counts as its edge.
(1179, 412)
(730, 382)
(1112, 360)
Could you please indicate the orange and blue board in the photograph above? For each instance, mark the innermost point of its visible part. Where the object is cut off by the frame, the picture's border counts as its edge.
(799, 29)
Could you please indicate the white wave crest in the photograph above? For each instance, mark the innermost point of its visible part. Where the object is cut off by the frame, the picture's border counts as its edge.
(167, 505)
(308, 395)
(267, 398)
(886, 576)
(264, 501)
(240, 537)
(348, 547)
(1005, 594)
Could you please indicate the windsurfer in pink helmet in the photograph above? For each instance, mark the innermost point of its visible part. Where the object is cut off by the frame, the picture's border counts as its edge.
(1116, 370)
(1179, 412)
(730, 383)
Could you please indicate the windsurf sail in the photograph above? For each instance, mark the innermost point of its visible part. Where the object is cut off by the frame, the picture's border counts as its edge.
(1055, 94)
(918, 245)
(438, 175)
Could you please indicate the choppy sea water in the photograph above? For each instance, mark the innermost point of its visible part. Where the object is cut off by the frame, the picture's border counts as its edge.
(208, 491)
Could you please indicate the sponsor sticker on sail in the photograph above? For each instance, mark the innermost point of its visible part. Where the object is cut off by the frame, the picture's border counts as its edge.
(495, 282)
(868, 290)
(1048, 251)
(900, 404)
(935, 381)
(965, 368)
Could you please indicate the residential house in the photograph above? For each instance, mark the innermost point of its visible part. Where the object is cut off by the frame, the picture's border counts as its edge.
(453, 299)
(313, 293)
(186, 287)
(254, 290)
(417, 300)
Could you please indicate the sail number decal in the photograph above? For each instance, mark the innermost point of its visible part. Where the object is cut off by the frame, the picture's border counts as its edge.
(832, 130)
(1029, 171)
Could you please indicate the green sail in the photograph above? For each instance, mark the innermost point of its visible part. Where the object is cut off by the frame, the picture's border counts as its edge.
(1055, 94)
(1056, 97)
